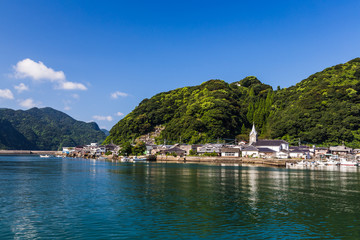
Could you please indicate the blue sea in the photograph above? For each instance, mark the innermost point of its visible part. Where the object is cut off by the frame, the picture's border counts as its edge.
(74, 198)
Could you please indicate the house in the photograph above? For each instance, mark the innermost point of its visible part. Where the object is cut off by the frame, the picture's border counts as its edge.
(266, 153)
(112, 148)
(68, 150)
(299, 152)
(318, 151)
(174, 150)
(250, 151)
(230, 152)
(189, 148)
(210, 148)
(340, 150)
(276, 145)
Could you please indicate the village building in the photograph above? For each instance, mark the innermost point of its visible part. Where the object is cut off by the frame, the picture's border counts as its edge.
(174, 150)
(340, 150)
(250, 151)
(269, 148)
(210, 148)
(230, 152)
(266, 153)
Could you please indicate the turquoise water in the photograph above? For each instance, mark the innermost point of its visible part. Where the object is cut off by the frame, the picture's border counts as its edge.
(84, 199)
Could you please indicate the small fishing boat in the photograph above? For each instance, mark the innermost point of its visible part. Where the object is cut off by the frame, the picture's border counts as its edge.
(344, 162)
(332, 163)
(135, 159)
(125, 159)
(45, 156)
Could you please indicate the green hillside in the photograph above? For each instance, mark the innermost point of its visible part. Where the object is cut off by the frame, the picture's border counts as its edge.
(214, 109)
(44, 129)
(322, 109)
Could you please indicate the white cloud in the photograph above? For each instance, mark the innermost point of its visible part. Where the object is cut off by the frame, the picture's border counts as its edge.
(28, 103)
(21, 88)
(117, 94)
(103, 118)
(37, 71)
(65, 85)
(6, 93)
(119, 114)
(76, 96)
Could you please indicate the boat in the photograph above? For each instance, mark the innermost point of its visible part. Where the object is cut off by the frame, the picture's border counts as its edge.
(125, 159)
(135, 159)
(45, 156)
(344, 162)
(332, 163)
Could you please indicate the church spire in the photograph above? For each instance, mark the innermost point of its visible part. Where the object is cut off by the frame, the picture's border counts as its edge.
(253, 135)
(253, 131)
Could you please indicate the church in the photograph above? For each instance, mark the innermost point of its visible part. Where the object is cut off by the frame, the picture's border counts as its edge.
(265, 148)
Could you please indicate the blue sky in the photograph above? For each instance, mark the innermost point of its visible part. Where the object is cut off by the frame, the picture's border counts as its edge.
(96, 60)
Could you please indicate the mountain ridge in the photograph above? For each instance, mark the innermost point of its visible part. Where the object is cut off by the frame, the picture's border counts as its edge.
(216, 109)
(44, 129)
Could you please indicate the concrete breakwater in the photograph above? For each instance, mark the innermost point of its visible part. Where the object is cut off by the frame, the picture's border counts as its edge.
(27, 152)
(200, 159)
(230, 160)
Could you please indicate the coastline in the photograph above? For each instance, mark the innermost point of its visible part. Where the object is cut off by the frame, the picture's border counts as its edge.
(28, 152)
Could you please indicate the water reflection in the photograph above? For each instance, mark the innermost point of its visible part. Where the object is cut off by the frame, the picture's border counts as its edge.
(78, 198)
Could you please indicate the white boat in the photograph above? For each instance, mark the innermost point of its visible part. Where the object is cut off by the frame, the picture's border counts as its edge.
(344, 162)
(135, 159)
(45, 156)
(125, 159)
(332, 163)
(320, 163)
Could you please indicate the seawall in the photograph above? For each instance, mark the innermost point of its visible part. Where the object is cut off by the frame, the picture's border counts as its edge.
(230, 160)
(27, 152)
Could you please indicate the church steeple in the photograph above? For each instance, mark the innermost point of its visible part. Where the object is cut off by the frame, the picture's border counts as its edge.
(252, 135)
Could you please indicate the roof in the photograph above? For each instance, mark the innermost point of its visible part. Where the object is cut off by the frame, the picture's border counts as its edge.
(230, 150)
(266, 150)
(340, 149)
(250, 148)
(269, 143)
(174, 149)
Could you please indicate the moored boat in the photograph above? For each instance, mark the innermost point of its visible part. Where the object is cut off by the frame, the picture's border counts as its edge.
(135, 159)
(125, 159)
(45, 156)
(344, 162)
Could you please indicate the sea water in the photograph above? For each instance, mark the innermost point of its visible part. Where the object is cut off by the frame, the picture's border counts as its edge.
(55, 198)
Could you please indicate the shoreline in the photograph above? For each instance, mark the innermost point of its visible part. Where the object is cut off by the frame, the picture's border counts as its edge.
(28, 152)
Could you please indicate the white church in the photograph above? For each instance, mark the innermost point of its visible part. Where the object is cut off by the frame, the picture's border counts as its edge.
(265, 148)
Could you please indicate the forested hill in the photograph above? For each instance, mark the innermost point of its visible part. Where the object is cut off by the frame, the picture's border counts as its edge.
(214, 109)
(322, 109)
(44, 129)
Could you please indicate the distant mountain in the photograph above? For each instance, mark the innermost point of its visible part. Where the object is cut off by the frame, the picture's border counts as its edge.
(322, 109)
(107, 133)
(44, 129)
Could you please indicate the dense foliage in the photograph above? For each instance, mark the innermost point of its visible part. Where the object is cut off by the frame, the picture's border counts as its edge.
(204, 113)
(44, 129)
(322, 109)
